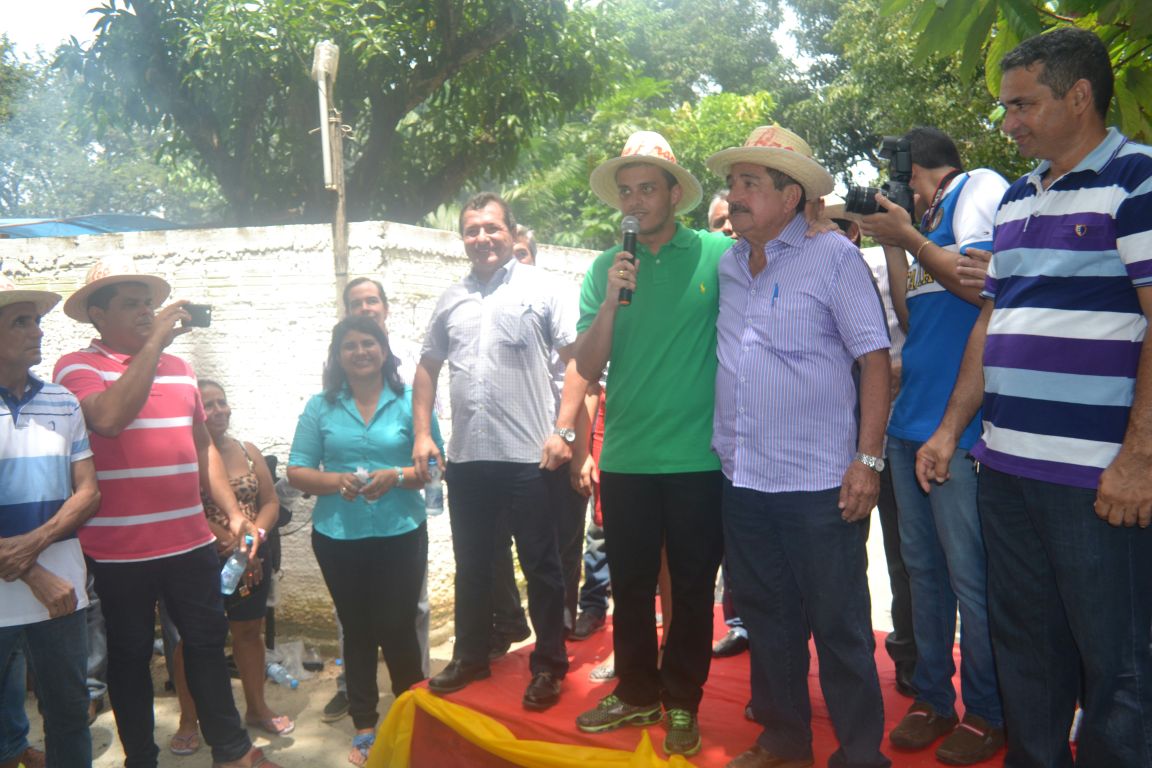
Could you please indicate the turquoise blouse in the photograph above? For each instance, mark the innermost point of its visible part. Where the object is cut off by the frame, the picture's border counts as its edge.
(333, 437)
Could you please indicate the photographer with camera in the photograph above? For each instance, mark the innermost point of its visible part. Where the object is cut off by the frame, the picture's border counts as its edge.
(940, 533)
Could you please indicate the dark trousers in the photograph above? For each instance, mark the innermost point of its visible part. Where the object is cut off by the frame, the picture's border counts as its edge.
(189, 584)
(571, 510)
(641, 514)
(900, 644)
(1070, 608)
(375, 585)
(802, 572)
(489, 497)
(509, 622)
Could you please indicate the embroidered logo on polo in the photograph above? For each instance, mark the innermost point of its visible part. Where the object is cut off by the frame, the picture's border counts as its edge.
(1080, 230)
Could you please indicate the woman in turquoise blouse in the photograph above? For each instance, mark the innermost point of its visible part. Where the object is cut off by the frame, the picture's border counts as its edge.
(353, 452)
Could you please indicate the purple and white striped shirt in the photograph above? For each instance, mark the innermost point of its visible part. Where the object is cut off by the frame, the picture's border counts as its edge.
(786, 340)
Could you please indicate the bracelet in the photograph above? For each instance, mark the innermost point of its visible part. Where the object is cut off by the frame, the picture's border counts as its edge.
(263, 534)
(399, 477)
(921, 248)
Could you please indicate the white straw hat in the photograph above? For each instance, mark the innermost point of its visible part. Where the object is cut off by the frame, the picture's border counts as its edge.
(778, 148)
(646, 147)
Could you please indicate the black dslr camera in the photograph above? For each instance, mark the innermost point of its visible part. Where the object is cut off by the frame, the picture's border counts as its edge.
(898, 152)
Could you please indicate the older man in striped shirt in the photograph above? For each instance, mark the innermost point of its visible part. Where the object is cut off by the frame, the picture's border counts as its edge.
(150, 540)
(801, 471)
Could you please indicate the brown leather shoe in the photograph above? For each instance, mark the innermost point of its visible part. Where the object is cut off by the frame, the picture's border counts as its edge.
(758, 757)
(920, 727)
(973, 741)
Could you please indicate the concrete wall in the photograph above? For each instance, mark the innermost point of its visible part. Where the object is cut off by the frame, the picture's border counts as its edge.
(275, 300)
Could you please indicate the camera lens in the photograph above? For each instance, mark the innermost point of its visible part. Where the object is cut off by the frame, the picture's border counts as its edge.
(861, 201)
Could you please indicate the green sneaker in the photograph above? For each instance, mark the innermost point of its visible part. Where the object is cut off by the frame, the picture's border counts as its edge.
(612, 713)
(683, 737)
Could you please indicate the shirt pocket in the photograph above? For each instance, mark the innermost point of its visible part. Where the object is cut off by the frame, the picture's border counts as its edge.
(788, 325)
(516, 326)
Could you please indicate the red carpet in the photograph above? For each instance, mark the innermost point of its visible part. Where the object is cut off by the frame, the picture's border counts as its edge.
(724, 730)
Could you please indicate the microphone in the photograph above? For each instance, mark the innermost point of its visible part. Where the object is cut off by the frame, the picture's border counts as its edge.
(630, 226)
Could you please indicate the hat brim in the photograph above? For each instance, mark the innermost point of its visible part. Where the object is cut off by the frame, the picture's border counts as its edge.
(76, 306)
(816, 181)
(603, 180)
(43, 300)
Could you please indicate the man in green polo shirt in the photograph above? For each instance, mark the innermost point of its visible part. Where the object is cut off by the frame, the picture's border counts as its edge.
(659, 480)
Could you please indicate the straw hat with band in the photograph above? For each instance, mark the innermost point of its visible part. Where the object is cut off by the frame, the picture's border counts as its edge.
(108, 272)
(778, 148)
(645, 147)
(10, 294)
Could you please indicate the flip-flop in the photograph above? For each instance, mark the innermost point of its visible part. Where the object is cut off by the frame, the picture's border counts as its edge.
(277, 725)
(361, 746)
(184, 744)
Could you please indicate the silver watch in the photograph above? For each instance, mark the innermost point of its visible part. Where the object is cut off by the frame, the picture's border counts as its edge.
(568, 435)
(875, 463)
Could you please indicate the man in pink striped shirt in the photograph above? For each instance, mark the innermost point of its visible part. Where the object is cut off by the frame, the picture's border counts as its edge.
(150, 540)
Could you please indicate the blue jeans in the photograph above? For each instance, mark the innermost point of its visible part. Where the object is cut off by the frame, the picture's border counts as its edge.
(1070, 603)
(189, 585)
(13, 718)
(57, 649)
(943, 550)
(597, 584)
(97, 643)
(803, 571)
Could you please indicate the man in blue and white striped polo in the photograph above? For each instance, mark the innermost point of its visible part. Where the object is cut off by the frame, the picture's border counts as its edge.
(1061, 361)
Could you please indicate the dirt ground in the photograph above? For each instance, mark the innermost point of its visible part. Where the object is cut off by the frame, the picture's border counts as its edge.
(313, 743)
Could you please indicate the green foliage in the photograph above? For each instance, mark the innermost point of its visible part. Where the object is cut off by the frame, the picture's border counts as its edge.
(433, 94)
(13, 78)
(864, 87)
(554, 198)
(48, 168)
(985, 30)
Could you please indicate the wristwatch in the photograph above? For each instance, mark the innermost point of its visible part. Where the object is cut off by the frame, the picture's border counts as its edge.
(875, 463)
(568, 435)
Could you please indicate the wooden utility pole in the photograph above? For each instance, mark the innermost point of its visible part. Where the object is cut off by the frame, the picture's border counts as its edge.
(325, 60)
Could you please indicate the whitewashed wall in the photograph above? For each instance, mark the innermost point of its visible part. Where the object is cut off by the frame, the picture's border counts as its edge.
(275, 300)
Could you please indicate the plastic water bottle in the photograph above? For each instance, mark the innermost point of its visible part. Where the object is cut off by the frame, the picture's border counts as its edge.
(434, 490)
(277, 672)
(362, 475)
(233, 569)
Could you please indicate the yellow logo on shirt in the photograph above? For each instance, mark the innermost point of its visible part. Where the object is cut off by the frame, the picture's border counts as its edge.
(703, 288)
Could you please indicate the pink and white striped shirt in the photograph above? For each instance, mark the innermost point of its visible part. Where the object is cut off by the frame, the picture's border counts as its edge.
(149, 475)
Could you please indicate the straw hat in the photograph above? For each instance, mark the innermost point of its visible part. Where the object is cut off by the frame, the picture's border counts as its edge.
(778, 148)
(10, 294)
(107, 272)
(645, 147)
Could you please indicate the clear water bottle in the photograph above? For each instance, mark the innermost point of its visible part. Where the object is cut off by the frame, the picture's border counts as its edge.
(234, 569)
(434, 490)
(277, 672)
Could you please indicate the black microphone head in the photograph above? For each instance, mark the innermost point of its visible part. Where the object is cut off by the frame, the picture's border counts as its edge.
(630, 224)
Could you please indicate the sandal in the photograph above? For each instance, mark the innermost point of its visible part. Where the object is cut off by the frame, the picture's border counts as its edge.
(277, 725)
(184, 744)
(361, 746)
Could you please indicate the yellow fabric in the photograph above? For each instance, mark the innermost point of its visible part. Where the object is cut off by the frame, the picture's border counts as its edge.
(394, 740)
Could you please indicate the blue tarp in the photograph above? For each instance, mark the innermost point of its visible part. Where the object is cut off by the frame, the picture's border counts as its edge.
(94, 224)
